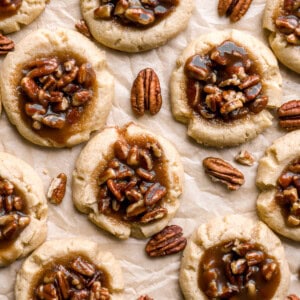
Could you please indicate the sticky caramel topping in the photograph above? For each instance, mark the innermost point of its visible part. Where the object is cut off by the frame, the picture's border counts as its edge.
(238, 270)
(288, 193)
(224, 84)
(72, 279)
(13, 213)
(288, 21)
(137, 13)
(132, 187)
(9, 7)
(55, 92)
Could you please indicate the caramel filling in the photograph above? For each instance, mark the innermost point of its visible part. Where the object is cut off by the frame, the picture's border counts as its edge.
(288, 193)
(72, 279)
(136, 13)
(9, 7)
(288, 21)
(238, 270)
(13, 213)
(224, 84)
(133, 186)
(54, 93)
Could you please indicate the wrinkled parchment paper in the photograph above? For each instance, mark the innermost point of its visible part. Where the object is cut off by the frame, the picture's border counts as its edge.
(201, 200)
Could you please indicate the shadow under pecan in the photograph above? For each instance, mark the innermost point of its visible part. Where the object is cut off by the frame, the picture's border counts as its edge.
(239, 269)
(75, 279)
(132, 186)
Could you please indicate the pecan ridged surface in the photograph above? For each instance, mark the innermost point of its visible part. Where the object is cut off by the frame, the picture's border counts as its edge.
(235, 9)
(220, 170)
(6, 45)
(167, 241)
(146, 93)
(289, 115)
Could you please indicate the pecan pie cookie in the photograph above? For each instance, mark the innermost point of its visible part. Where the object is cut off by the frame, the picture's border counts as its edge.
(70, 269)
(23, 209)
(136, 25)
(128, 180)
(282, 20)
(234, 258)
(16, 13)
(222, 86)
(278, 178)
(56, 88)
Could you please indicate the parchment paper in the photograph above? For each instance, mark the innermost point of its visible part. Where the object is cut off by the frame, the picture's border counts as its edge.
(201, 200)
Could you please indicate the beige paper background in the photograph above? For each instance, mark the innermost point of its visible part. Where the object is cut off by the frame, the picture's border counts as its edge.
(201, 200)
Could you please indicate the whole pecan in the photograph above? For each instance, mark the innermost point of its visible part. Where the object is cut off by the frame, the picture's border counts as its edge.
(235, 9)
(289, 115)
(220, 170)
(167, 241)
(146, 93)
(6, 45)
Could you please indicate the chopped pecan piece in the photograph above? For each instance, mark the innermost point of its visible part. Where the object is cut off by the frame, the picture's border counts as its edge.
(235, 9)
(57, 189)
(289, 115)
(219, 170)
(146, 93)
(245, 158)
(6, 45)
(167, 241)
(82, 27)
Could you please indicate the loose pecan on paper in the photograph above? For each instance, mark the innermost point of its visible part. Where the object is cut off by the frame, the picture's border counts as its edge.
(234, 9)
(6, 45)
(166, 242)
(289, 115)
(146, 93)
(57, 189)
(82, 27)
(220, 170)
(245, 158)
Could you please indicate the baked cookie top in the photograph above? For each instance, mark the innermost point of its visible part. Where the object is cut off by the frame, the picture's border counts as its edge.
(56, 88)
(128, 181)
(278, 178)
(70, 269)
(23, 209)
(236, 257)
(134, 25)
(221, 87)
(282, 20)
(16, 13)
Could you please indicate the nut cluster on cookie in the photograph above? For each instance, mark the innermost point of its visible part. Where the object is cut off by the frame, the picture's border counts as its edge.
(55, 91)
(135, 12)
(224, 84)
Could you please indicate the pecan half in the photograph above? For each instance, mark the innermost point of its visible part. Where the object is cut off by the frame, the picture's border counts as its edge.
(6, 45)
(289, 115)
(220, 170)
(82, 27)
(235, 9)
(57, 189)
(245, 158)
(146, 93)
(167, 241)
